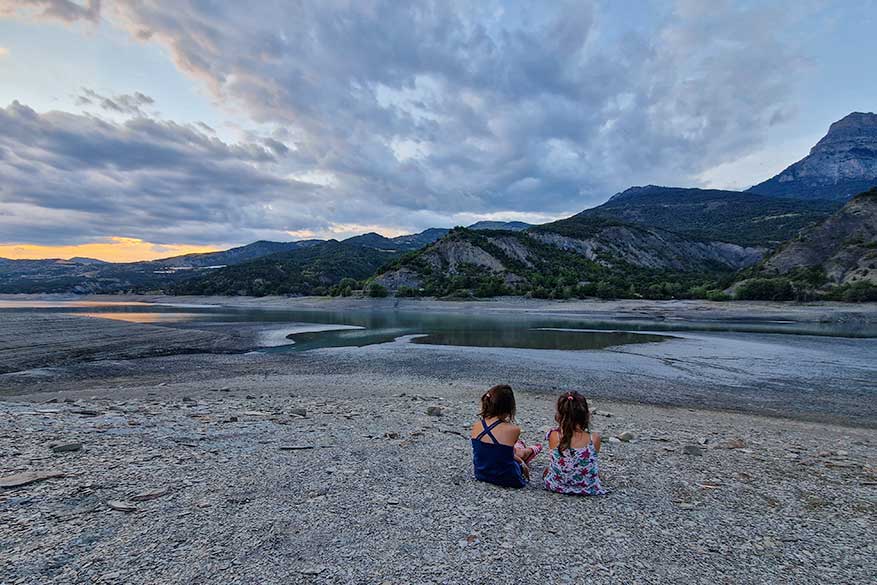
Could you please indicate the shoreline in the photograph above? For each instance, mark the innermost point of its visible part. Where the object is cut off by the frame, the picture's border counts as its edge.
(756, 373)
(811, 312)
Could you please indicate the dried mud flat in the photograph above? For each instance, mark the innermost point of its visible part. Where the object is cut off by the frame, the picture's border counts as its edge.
(354, 482)
(31, 340)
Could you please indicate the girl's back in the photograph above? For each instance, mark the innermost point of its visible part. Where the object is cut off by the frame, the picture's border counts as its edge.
(493, 440)
(494, 461)
(573, 467)
(574, 470)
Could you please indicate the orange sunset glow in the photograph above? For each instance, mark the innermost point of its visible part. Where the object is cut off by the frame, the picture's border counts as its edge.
(115, 249)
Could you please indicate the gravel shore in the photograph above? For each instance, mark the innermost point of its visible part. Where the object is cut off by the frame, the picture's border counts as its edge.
(355, 483)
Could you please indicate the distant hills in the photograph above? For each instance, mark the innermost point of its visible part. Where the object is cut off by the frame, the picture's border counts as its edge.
(738, 217)
(308, 270)
(796, 235)
(88, 275)
(841, 165)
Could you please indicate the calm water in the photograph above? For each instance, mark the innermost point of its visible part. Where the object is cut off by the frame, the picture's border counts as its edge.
(460, 329)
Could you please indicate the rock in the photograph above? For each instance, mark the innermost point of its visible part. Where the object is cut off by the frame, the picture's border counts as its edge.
(693, 450)
(231, 419)
(435, 411)
(614, 440)
(470, 540)
(20, 479)
(150, 495)
(391, 435)
(250, 397)
(86, 412)
(626, 436)
(66, 447)
(188, 399)
(120, 506)
(295, 447)
(736, 443)
(302, 412)
(312, 571)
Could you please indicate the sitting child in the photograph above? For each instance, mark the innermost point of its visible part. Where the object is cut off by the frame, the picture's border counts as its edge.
(573, 468)
(498, 454)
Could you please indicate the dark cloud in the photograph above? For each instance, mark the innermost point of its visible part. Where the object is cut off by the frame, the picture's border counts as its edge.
(407, 114)
(64, 10)
(498, 106)
(69, 176)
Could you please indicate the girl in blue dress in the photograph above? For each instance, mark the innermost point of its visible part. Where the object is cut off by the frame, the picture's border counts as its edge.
(498, 454)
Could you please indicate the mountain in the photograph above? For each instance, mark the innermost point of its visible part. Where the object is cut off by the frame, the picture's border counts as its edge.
(81, 260)
(514, 226)
(426, 237)
(303, 271)
(399, 243)
(741, 218)
(415, 241)
(842, 164)
(843, 248)
(582, 255)
(233, 255)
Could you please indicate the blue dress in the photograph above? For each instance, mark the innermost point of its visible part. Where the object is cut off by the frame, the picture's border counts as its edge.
(494, 462)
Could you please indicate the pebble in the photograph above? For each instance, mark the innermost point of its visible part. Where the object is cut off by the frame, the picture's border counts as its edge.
(66, 447)
(27, 477)
(121, 506)
(150, 494)
(435, 411)
(313, 571)
(692, 450)
(626, 436)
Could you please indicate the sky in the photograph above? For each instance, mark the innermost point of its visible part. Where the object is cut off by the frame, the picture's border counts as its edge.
(138, 129)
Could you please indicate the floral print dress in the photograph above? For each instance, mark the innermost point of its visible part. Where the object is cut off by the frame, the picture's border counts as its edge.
(573, 471)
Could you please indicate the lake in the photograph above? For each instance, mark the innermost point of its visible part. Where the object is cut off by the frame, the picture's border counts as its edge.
(371, 326)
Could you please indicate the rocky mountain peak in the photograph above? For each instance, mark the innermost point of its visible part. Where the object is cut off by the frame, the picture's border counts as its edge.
(856, 129)
(840, 165)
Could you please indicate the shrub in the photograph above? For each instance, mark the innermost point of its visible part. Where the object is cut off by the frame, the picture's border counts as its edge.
(861, 292)
(377, 291)
(766, 289)
(407, 291)
(716, 295)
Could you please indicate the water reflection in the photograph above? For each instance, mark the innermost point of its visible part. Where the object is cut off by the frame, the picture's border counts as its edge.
(538, 338)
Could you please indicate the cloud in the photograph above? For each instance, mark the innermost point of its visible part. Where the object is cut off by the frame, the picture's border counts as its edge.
(71, 178)
(63, 10)
(3, 52)
(121, 104)
(450, 107)
(406, 115)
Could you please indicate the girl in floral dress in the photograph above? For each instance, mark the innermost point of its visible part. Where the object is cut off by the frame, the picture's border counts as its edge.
(573, 468)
